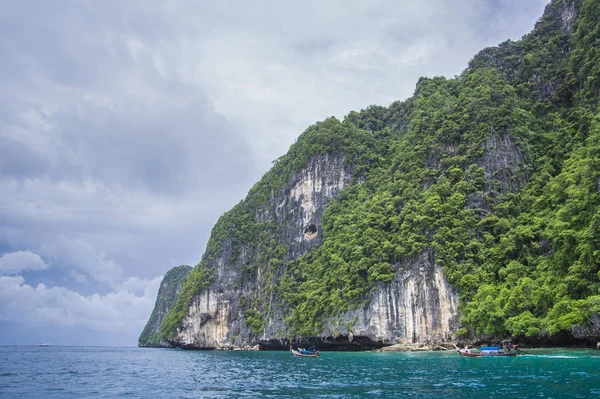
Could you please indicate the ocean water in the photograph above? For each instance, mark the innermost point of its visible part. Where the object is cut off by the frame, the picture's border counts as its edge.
(101, 372)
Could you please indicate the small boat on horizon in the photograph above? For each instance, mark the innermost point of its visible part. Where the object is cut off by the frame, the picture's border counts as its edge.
(45, 344)
(310, 352)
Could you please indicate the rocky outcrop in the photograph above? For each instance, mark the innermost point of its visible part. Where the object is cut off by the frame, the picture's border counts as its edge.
(503, 163)
(218, 318)
(552, 30)
(504, 170)
(567, 14)
(165, 300)
(418, 305)
(589, 331)
(298, 209)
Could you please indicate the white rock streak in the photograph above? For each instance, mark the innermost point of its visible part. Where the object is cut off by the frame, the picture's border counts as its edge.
(315, 182)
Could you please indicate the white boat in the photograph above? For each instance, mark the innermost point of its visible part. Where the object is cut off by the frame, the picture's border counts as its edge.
(46, 344)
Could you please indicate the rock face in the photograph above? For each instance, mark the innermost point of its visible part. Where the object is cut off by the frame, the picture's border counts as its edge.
(418, 305)
(216, 318)
(508, 57)
(167, 295)
(299, 208)
(502, 163)
(589, 331)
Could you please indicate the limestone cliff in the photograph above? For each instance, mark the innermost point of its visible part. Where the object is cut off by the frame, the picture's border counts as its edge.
(417, 306)
(217, 318)
(166, 298)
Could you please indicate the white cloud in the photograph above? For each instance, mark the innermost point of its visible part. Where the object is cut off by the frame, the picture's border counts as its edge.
(19, 261)
(80, 278)
(121, 311)
(83, 256)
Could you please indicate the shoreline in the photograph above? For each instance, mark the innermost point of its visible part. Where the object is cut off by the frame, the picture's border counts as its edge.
(450, 347)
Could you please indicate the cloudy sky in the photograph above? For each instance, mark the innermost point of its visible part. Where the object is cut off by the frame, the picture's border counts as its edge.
(128, 127)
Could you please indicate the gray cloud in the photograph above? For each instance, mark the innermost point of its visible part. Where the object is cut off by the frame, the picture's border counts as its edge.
(101, 105)
(19, 160)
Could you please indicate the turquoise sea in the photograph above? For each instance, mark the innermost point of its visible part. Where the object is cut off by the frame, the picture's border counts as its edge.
(102, 372)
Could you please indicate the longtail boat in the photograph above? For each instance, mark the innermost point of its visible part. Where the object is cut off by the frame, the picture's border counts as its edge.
(505, 349)
(310, 352)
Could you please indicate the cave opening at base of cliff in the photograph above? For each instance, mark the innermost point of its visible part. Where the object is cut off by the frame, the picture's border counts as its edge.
(310, 231)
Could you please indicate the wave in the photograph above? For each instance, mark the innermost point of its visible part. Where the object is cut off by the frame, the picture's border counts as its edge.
(553, 356)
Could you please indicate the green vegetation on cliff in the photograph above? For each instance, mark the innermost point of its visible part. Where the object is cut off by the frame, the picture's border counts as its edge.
(198, 279)
(165, 300)
(495, 174)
